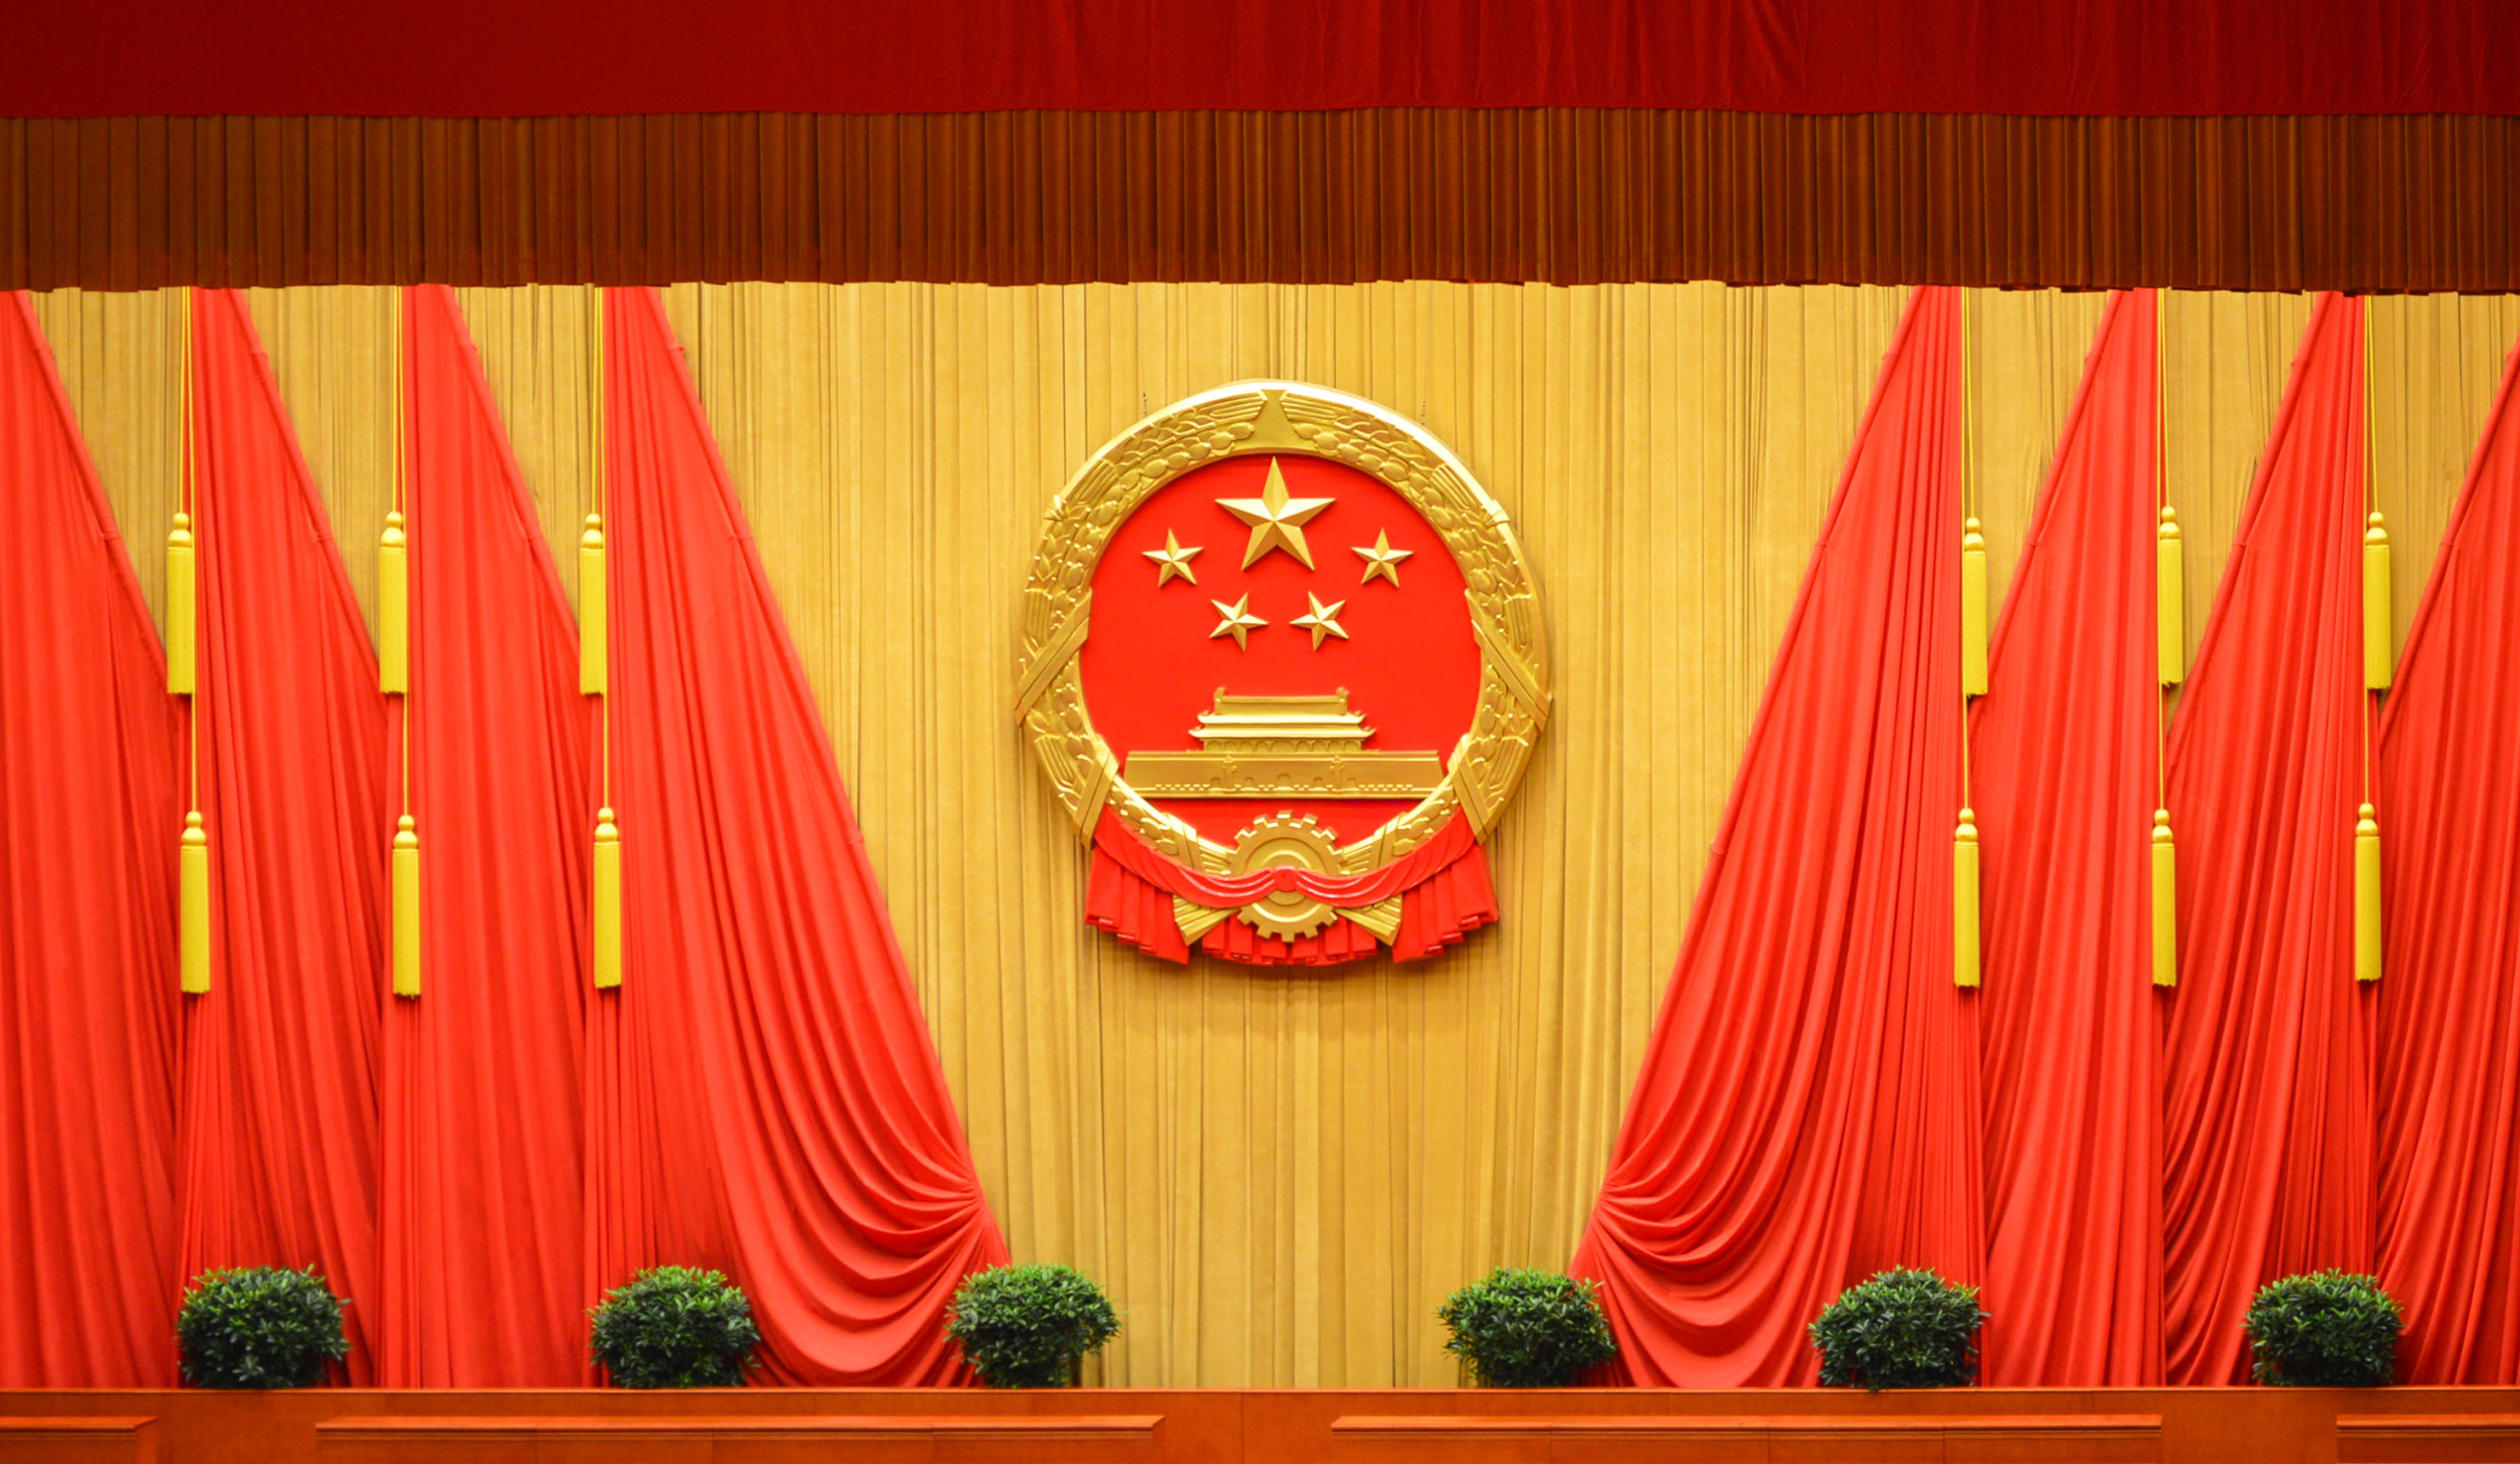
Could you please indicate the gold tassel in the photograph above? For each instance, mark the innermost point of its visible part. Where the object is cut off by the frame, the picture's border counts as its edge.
(1973, 610)
(407, 909)
(2377, 657)
(393, 610)
(2164, 902)
(607, 901)
(2366, 895)
(592, 625)
(2169, 590)
(180, 607)
(1964, 902)
(192, 898)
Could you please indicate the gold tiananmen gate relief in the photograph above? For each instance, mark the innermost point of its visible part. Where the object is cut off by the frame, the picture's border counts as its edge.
(1284, 664)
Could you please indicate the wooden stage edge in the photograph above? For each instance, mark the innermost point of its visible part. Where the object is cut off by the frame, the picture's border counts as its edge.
(1221, 1425)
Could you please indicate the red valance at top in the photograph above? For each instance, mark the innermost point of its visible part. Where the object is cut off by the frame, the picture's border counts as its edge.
(562, 57)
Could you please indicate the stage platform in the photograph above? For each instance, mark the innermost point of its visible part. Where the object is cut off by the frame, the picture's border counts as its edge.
(1217, 1426)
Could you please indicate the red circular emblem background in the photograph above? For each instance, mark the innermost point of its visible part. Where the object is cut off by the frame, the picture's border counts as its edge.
(1151, 664)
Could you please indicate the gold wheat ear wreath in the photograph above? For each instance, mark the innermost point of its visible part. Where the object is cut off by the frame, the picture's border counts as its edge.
(1285, 420)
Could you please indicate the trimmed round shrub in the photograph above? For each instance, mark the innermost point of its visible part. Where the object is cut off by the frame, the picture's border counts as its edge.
(1030, 1326)
(1901, 1329)
(675, 1327)
(2329, 1329)
(261, 1327)
(1528, 1329)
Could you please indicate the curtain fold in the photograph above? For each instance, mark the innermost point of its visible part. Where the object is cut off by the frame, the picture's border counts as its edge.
(2449, 1011)
(2065, 764)
(2268, 1122)
(768, 1095)
(482, 1162)
(1808, 1111)
(89, 805)
(278, 1122)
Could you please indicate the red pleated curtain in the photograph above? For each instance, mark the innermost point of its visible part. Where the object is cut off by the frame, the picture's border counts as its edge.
(765, 1095)
(1808, 1111)
(2268, 1121)
(2449, 1010)
(483, 1221)
(89, 807)
(2065, 771)
(278, 1117)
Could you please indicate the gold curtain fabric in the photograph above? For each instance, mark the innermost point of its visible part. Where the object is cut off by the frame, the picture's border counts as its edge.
(1279, 1176)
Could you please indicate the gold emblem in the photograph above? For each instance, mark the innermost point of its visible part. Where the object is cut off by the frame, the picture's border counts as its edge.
(1297, 748)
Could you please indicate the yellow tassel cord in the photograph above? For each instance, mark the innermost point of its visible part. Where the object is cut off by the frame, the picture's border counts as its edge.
(2366, 895)
(407, 909)
(2377, 657)
(2169, 588)
(592, 625)
(180, 607)
(393, 610)
(607, 901)
(1964, 901)
(1973, 609)
(192, 895)
(2164, 902)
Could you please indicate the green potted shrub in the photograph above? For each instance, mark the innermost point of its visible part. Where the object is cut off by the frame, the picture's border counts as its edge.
(2329, 1329)
(1527, 1329)
(259, 1327)
(675, 1327)
(1030, 1326)
(1901, 1329)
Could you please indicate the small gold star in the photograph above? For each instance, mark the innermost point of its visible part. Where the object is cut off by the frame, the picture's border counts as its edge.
(1277, 521)
(1382, 560)
(1173, 559)
(1324, 620)
(1238, 622)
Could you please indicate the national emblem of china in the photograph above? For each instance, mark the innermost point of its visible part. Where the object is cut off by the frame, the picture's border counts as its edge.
(1284, 664)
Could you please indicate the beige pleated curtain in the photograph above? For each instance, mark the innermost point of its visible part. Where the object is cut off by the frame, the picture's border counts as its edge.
(1279, 1178)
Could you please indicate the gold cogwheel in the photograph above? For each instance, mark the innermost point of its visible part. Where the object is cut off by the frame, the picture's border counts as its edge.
(1281, 840)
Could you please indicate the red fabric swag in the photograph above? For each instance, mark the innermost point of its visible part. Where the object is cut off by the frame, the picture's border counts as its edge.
(90, 807)
(2268, 1124)
(1808, 1113)
(279, 1117)
(1443, 885)
(2065, 763)
(484, 1175)
(765, 1095)
(2449, 1018)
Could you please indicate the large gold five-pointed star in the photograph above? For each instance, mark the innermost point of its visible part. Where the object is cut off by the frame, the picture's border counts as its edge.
(1238, 622)
(1277, 521)
(1324, 620)
(1382, 560)
(1174, 559)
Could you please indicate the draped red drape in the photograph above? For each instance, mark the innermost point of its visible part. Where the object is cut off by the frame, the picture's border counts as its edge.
(767, 1096)
(2065, 769)
(2449, 1017)
(1808, 1113)
(89, 807)
(2268, 1122)
(483, 1176)
(279, 1117)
